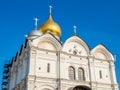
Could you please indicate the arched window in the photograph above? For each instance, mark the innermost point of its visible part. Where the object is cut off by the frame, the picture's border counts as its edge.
(71, 73)
(81, 74)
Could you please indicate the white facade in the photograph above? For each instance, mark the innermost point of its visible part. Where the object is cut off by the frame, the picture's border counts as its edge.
(44, 63)
(30, 67)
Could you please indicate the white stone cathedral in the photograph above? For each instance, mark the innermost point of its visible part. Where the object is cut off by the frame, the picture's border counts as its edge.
(45, 63)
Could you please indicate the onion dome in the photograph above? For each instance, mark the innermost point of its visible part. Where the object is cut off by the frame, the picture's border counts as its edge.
(51, 27)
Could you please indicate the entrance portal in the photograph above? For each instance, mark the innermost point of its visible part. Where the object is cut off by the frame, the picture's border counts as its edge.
(81, 88)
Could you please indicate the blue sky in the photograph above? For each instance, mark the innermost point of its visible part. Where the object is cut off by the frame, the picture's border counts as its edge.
(98, 21)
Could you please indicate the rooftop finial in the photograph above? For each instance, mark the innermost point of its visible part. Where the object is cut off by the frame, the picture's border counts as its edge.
(36, 20)
(50, 9)
(75, 27)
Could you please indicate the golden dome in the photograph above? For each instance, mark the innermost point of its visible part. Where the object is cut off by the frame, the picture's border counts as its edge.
(50, 26)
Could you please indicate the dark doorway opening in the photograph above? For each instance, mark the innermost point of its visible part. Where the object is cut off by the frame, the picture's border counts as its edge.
(81, 88)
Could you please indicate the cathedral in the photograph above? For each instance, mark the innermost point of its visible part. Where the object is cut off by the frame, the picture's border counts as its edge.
(45, 63)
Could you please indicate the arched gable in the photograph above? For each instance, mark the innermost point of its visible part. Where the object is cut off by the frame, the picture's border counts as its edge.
(48, 42)
(47, 45)
(75, 45)
(101, 52)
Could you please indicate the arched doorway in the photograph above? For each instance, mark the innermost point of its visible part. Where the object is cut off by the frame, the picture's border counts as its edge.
(81, 88)
(46, 87)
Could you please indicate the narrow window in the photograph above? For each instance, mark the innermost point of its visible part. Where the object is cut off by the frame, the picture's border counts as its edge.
(81, 75)
(71, 72)
(48, 67)
(100, 74)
